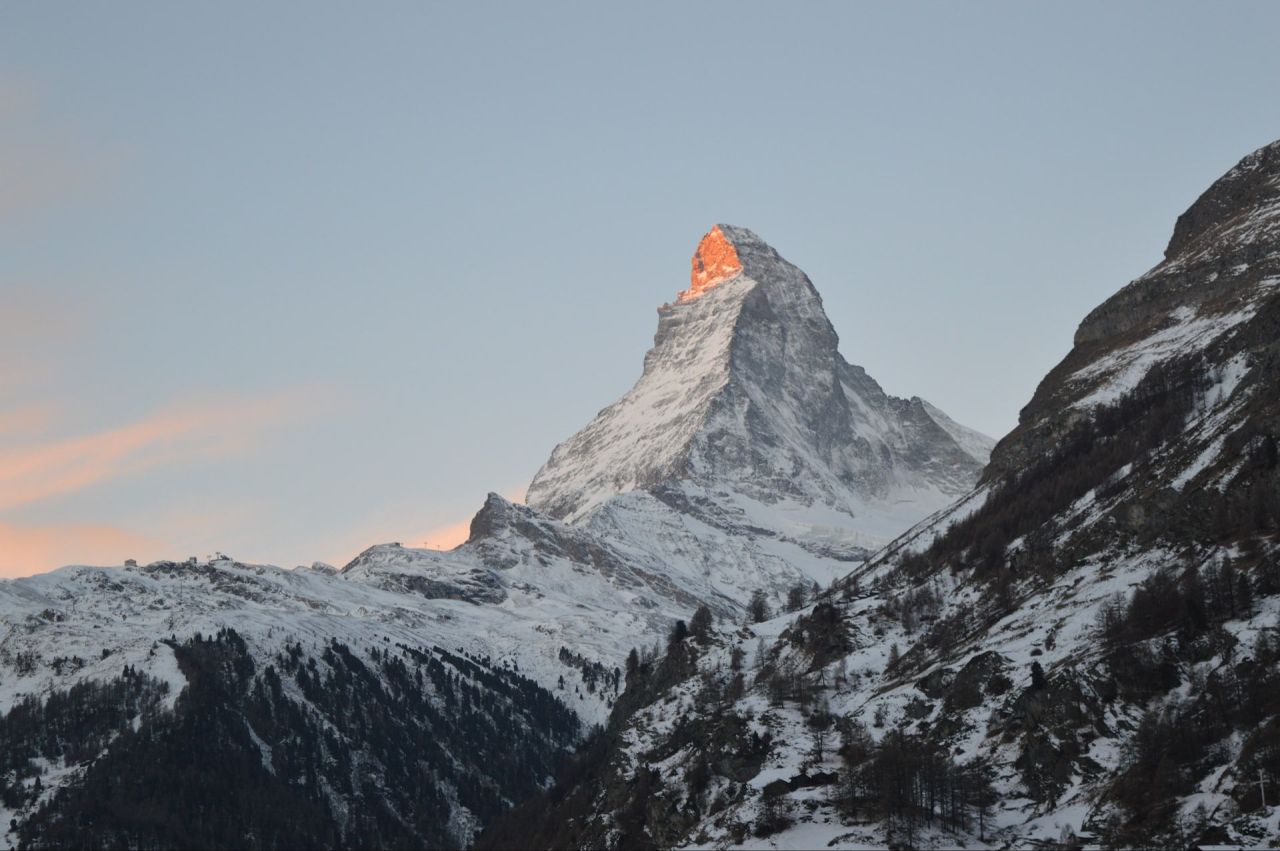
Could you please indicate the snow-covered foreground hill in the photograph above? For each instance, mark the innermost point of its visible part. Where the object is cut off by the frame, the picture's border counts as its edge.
(413, 695)
(1083, 650)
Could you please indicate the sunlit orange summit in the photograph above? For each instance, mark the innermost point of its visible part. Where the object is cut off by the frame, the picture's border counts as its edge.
(715, 262)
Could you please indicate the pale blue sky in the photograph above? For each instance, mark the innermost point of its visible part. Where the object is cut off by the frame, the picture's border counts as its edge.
(288, 279)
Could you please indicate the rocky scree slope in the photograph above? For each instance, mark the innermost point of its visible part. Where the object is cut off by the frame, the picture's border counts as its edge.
(1083, 649)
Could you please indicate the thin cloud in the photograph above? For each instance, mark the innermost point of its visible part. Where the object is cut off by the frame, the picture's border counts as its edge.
(40, 167)
(25, 421)
(35, 313)
(35, 472)
(37, 329)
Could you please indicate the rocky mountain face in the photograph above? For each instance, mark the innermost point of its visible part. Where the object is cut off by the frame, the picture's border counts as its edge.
(747, 417)
(1219, 271)
(410, 697)
(1080, 650)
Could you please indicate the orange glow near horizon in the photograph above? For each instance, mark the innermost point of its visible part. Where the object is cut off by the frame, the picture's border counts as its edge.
(27, 550)
(38, 469)
(455, 534)
(444, 536)
(448, 537)
(715, 262)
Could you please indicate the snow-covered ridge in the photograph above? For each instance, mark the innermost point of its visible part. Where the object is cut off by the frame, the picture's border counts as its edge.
(642, 439)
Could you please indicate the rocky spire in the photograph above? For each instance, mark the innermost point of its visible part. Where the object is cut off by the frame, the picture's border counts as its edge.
(745, 394)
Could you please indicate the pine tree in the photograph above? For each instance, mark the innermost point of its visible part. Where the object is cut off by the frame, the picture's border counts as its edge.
(1038, 680)
(700, 624)
(758, 607)
(679, 633)
(796, 597)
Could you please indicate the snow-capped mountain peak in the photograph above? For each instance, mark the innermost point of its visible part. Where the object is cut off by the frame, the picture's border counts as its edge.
(750, 458)
(746, 400)
(1078, 653)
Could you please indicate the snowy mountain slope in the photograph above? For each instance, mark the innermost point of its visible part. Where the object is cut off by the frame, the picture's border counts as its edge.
(810, 754)
(749, 458)
(556, 603)
(111, 617)
(525, 597)
(747, 416)
(1082, 649)
(522, 587)
(78, 629)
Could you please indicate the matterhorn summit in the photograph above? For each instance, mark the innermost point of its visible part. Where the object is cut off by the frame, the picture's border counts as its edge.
(748, 417)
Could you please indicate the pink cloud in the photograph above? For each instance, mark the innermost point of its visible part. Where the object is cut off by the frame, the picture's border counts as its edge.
(34, 472)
